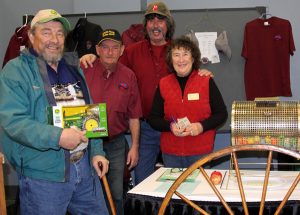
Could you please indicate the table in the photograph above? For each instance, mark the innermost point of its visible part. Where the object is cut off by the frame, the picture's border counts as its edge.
(146, 197)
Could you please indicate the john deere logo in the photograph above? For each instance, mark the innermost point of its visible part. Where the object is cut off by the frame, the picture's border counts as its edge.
(56, 111)
(54, 12)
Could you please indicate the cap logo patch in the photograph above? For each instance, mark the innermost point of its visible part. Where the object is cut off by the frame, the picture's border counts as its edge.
(54, 12)
(155, 7)
(108, 33)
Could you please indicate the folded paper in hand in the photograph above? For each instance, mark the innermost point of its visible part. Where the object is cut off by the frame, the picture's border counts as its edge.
(182, 123)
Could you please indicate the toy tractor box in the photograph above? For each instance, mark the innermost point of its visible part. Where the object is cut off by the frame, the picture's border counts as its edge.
(90, 118)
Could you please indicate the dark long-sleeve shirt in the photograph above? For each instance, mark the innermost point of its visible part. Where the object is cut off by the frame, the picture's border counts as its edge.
(218, 108)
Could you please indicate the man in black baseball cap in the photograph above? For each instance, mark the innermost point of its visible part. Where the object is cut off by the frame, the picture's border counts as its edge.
(113, 83)
(110, 34)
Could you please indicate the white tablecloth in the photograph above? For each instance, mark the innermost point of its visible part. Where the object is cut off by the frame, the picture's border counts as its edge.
(199, 190)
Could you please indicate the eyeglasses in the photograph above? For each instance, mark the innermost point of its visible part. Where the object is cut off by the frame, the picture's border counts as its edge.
(176, 170)
(153, 15)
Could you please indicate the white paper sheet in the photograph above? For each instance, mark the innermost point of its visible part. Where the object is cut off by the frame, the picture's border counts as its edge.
(207, 45)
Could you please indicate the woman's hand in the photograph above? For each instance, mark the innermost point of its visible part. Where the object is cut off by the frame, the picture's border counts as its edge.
(176, 130)
(194, 129)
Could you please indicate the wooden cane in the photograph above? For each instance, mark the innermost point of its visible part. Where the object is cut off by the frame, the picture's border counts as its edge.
(109, 196)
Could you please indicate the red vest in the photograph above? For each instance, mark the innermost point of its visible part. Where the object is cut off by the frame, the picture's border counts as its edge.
(195, 106)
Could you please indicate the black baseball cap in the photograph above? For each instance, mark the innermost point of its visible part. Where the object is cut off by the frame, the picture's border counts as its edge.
(110, 34)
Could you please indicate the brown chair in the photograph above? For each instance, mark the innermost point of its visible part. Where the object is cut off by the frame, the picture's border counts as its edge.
(234, 152)
(2, 191)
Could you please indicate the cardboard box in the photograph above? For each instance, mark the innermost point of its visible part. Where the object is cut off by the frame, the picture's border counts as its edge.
(90, 118)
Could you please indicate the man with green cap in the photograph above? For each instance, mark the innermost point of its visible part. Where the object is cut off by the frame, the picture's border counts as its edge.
(54, 165)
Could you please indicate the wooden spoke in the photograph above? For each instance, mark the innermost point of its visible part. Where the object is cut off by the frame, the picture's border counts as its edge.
(233, 151)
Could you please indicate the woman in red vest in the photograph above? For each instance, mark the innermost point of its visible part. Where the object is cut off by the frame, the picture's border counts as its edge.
(186, 108)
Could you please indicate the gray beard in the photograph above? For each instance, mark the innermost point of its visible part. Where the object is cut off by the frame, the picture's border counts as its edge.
(52, 60)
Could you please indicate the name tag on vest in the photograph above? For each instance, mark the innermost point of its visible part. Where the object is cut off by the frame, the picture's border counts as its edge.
(193, 96)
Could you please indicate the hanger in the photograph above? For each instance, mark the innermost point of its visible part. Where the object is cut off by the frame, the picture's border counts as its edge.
(24, 25)
(265, 15)
(204, 21)
(81, 21)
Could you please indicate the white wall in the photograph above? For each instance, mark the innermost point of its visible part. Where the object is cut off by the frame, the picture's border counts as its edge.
(96, 6)
(290, 11)
(207, 4)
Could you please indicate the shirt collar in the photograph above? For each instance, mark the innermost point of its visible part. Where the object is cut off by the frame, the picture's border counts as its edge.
(107, 73)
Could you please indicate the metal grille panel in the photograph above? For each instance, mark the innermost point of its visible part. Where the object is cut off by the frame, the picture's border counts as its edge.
(265, 122)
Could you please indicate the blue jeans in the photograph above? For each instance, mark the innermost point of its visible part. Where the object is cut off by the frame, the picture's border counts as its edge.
(115, 153)
(175, 161)
(148, 152)
(81, 195)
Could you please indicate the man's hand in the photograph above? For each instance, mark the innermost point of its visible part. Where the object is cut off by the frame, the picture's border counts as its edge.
(70, 138)
(132, 157)
(87, 60)
(100, 164)
(202, 72)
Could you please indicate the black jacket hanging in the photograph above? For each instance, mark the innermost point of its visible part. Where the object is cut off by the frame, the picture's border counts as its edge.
(83, 38)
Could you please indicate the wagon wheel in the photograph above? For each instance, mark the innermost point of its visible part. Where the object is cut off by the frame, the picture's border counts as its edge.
(233, 150)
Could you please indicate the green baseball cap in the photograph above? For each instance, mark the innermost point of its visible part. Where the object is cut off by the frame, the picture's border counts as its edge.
(48, 15)
(110, 34)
